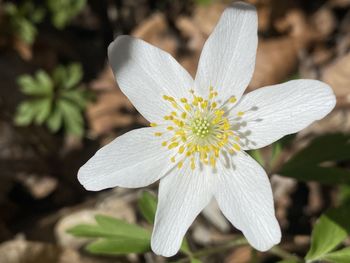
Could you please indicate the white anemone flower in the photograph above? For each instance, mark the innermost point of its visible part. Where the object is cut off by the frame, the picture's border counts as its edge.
(200, 129)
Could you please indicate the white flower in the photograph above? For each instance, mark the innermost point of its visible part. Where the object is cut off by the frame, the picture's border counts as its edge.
(200, 129)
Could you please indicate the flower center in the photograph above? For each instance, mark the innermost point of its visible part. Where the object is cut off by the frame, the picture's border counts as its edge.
(200, 129)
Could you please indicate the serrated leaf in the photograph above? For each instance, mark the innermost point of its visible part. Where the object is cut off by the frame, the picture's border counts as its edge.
(54, 122)
(25, 113)
(29, 86)
(72, 117)
(25, 30)
(147, 205)
(59, 75)
(44, 81)
(10, 8)
(330, 230)
(307, 164)
(119, 246)
(76, 96)
(340, 256)
(74, 75)
(121, 228)
(43, 110)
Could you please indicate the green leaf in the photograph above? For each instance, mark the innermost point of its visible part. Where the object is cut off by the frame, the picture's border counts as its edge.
(59, 76)
(44, 81)
(25, 113)
(54, 121)
(119, 246)
(10, 8)
(109, 227)
(64, 10)
(324, 148)
(147, 205)
(44, 109)
(74, 75)
(92, 231)
(204, 2)
(185, 248)
(330, 230)
(25, 30)
(76, 96)
(288, 261)
(195, 260)
(29, 86)
(340, 256)
(121, 228)
(308, 164)
(344, 194)
(72, 118)
(37, 15)
(256, 154)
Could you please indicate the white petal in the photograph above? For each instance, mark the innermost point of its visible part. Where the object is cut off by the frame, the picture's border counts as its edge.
(146, 73)
(182, 195)
(228, 58)
(135, 159)
(245, 198)
(275, 111)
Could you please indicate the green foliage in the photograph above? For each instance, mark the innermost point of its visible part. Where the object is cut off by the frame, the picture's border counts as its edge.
(56, 101)
(115, 236)
(316, 162)
(340, 256)
(118, 246)
(204, 2)
(147, 205)
(22, 19)
(62, 11)
(329, 232)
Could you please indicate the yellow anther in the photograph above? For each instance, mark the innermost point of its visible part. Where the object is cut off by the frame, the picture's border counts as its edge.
(200, 129)
(153, 124)
(212, 161)
(173, 145)
(204, 104)
(232, 99)
(236, 147)
(240, 113)
(181, 149)
(193, 166)
(187, 107)
(219, 112)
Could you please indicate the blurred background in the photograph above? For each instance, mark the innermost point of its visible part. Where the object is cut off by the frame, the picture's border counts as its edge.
(59, 103)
